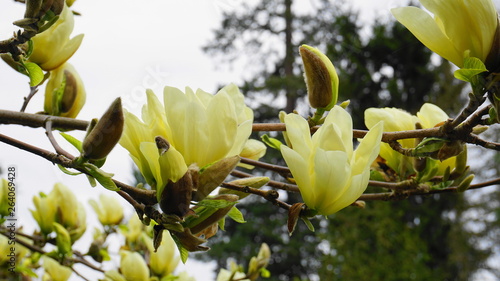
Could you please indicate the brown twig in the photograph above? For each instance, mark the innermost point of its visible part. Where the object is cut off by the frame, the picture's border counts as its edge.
(39, 120)
(269, 195)
(33, 91)
(57, 147)
(144, 196)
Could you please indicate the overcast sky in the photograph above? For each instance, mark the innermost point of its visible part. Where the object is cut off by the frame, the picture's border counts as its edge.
(128, 46)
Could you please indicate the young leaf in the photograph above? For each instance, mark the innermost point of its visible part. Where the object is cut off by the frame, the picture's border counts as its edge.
(35, 73)
(73, 141)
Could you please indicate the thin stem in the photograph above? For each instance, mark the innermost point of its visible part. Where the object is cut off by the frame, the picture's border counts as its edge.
(59, 149)
(269, 195)
(33, 91)
(267, 166)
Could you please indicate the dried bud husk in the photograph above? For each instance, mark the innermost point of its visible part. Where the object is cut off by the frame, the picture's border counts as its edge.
(106, 133)
(212, 176)
(33, 8)
(207, 216)
(189, 241)
(493, 59)
(175, 198)
(321, 78)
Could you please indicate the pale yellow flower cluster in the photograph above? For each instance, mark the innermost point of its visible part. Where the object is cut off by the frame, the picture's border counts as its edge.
(200, 128)
(396, 120)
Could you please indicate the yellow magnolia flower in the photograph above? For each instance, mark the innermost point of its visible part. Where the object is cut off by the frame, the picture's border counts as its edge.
(60, 206)
(44, 213)
(64, 94)
(200, 129)
(54, 271)
(53, 47)
(327, 170)
(133, 267)
(164, 261)
(399, 120)
(459, 28)
(4, 198)
(254, 150)
(109, 211)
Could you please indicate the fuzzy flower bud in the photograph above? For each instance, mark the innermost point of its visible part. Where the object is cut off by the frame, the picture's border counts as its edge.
(321, 78)
(106, 133)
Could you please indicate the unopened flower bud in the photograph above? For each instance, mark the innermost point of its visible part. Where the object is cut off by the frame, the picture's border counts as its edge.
(133, 266)
(65, 94)
(321, 78)
(56, 271)
(106, 133)
(63, 240)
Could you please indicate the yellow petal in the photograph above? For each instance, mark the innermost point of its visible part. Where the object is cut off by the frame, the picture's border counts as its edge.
(301, 172)
(298, 133)
(424, 27)
(430, 115)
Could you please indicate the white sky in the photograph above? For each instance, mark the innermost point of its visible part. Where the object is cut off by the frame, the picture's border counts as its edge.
(128, 46)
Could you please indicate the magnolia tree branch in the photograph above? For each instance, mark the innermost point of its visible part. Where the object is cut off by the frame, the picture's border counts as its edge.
(78, 259)
(147, 197)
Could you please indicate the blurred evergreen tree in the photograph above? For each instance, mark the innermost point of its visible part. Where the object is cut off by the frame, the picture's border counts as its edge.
(422, 238)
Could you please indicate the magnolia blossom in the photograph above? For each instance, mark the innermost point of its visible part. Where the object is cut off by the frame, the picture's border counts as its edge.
(53, 47)
(330, 174)
(55, 271)
(460, 28)
(164, 261)
(133, 266)
(109, 210)
(64, 94)
(60, 206)
(200, 128)
(396, 120)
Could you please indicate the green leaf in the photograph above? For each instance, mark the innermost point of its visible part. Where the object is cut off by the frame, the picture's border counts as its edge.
(271, 142)
(216, 204)
(73, 141)
(222, 223)
(102, 177)
(472, 67)
(35, 73)
(182, 251)
(236, 215)
(308, 223)
(265, 273)
(68, 172)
